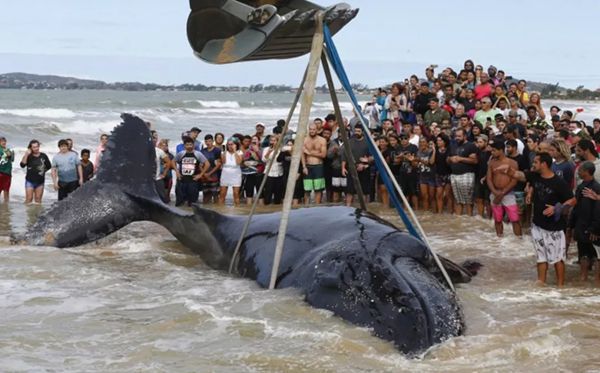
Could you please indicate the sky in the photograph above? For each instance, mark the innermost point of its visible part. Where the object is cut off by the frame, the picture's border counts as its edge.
(551, 41)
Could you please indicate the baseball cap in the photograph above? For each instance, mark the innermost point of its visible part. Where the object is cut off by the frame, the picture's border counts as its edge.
(259, 124)
(330, 117)
(483, 137)
(195, 129)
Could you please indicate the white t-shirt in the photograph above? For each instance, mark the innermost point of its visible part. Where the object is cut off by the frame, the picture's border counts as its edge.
(414, 140)
(160, 155)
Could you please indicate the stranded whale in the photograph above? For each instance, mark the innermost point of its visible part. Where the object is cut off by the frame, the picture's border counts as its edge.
(352, 263)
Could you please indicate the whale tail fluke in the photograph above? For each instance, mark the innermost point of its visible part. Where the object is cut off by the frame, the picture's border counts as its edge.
(110, 201)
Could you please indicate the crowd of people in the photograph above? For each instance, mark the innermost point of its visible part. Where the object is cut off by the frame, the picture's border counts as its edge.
(462, 142)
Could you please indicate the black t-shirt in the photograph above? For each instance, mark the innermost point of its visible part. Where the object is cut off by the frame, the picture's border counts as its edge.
(442, 168)
(464, 150)
(189, 166)
(421, 104)
(523, 164)
(482, 167)
(88, 171)
(37, 168)
(394, 151)
(359, 149)
(468, 104)
(406, 165)
(548, 192)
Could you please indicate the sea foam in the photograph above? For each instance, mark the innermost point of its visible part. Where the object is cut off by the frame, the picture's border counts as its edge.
(50, 113)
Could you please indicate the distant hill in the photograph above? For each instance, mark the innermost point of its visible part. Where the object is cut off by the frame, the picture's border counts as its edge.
(34, 81)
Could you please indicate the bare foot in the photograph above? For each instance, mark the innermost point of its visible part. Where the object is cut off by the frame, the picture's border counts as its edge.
(540, 284)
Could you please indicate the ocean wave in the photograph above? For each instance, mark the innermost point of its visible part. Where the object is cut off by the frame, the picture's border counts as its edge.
(219, 104)
(267, 113)
(49, 113)
(88, 127)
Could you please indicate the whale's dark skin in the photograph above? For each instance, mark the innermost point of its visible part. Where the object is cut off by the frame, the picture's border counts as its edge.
(354, 264)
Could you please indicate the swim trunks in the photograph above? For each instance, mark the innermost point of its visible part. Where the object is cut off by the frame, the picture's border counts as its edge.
(315, 180)
(550, 246)
(462, 188)
(338, 182)
(508, 205)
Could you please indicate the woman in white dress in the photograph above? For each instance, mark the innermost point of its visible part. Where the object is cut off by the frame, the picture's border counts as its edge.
(231, 176)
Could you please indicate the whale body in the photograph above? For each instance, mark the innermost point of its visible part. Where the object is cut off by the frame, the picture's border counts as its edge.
(352, 263)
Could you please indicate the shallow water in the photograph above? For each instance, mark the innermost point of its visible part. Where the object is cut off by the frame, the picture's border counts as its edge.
(139, 301)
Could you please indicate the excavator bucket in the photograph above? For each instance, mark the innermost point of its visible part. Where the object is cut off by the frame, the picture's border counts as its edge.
(227, 31)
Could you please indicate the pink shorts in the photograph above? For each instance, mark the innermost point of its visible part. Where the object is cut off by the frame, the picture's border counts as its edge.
(508, 205)
(511, 211)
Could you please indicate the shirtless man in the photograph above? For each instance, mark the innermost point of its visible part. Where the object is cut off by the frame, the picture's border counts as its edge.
(501, 187)
(315, 151)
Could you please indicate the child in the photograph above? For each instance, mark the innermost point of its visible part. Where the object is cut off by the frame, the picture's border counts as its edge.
(86, 165)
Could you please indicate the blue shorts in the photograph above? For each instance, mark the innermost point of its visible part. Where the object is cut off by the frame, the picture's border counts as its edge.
(30, 185)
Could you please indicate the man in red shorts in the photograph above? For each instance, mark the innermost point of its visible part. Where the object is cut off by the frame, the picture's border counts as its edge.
(501, 186)
(7, 157)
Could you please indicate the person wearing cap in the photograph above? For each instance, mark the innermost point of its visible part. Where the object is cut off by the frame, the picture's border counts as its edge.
(515, 106)
(487, 115)
(194, 133)
(435, 113)
(501, 186)
(7, 157)
(260, 130)
(555, 122)
(584, 222)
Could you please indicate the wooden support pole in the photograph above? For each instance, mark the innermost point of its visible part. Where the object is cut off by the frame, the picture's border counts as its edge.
(307, 101)
(278, 146)
(344, 133)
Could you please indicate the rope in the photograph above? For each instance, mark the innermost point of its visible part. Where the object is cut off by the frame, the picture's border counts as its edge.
(387, 177)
